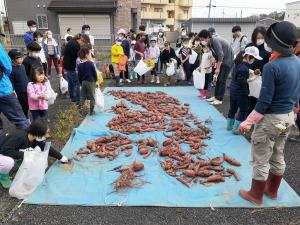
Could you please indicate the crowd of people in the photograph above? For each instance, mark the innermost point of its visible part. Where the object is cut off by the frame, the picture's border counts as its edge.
(270, 54)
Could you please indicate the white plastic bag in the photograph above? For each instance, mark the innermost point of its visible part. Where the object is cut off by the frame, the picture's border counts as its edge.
(180, 73)
(199, 79)
(31, 172)
(99, 100)
(170, 69)
(63, 85)
(51, 94)
(255, 86)
(141, 68)
(177, 51)
(193, 57)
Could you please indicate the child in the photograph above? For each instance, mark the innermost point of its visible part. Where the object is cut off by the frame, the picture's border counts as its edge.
(131, 62)
(52, 52)
(12, 143)
(206, 67)
(19, 79)
(38, 38)
(165, 57)
(28, 36)
(32, 60)
(116, 52)
(37, 94)
(239, 89)
(154, 53)
(184, 56)
(87, 75)
(140, 48)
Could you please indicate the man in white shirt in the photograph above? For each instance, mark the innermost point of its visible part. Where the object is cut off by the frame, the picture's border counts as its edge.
(86, 29)
(239, 41)
(68, 34)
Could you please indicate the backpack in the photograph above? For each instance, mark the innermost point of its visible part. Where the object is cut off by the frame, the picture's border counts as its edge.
(122, 63)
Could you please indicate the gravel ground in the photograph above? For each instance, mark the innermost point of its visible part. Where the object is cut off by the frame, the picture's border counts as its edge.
(34, 214)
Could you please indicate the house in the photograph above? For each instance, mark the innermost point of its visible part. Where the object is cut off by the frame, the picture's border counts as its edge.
(104, 16)
(165, 14)
(292, 13)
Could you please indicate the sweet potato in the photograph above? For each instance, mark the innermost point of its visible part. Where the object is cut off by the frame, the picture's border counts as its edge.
(230, 160)
(213, 178)
(184, 181)
(137, 166)
(189, 173)
(234, 173)
(217, 161)
(204, 173)
(101, 154)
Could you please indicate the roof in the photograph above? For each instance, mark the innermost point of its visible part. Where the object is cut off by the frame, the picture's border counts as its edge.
(292, 3)
(223, 20)
(79, 6)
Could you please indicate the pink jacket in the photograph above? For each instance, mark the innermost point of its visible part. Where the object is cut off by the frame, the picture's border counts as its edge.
(34, 90)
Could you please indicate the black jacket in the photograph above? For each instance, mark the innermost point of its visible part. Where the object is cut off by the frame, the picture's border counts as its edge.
(70, 55)
(31, 62)
(240, 74)
(166, 55)
(19, 79)
(11, 145)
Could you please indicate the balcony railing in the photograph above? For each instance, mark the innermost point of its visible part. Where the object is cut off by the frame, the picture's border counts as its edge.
(159, 2)
(185, 3)
(154, 15)
(183, 17)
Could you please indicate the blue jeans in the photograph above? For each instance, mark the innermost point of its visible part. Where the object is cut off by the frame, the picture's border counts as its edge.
(73, 86)
(238, 102)
(12, 110)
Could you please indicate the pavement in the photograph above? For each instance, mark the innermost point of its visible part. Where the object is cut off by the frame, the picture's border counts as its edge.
(12, 213)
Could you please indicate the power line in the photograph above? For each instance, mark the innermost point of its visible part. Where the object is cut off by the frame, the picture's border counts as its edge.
(241, 7)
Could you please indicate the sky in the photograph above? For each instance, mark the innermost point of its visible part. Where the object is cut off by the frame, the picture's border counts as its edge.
(236, 8)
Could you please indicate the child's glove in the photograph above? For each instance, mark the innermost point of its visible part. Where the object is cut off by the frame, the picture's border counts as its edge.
(64, 159)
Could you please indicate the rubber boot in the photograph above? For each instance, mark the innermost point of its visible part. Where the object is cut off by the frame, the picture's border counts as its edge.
(272, 185)
(230, 123)
(117, 81)
(200, 93)
(205, 94)
(235, 128)
(5, 180)
(255, 195)
(152, 79)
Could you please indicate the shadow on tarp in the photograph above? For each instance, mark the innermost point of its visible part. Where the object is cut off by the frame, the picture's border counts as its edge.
(89, 183)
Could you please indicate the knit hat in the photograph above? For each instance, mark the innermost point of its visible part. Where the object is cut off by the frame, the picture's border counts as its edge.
(281, 37)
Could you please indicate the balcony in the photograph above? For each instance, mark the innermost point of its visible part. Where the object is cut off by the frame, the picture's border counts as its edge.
(154, 15)
(185, 3)
(155, 2)
(170, 22)
(183, 17)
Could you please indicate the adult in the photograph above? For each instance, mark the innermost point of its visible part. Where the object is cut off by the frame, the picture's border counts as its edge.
(223, 55)
(239, 40)
(131, 35)
(140, 48)
(86, 29)
(69, 64)
(212, 31)
(38, 37)
(68, 34)
(52, 52)
(9, 104)
(28, 36)
(126, 49)
(258, 40)
(180, 37)
(142, 31)
(11, 144)
(161, 39)
(273, 116)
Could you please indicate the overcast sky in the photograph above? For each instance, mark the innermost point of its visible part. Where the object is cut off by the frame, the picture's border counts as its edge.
(234, 8)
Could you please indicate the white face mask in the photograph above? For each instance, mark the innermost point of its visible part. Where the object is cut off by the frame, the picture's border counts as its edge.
(40, 139)
(35, 54)
(197, 43)
(260, 41)
(205, 43)
(32, 29)
(160, 34)
(183, 33)
(267, 48)
(185, 45)
(40, 39)
(87, 32)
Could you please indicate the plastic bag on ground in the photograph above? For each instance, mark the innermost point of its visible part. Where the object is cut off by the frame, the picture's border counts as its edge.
(31, 172)
(141, 68)
(199, 79)
(255, 86)
(193, 57)
(180, 73)
(63, 85)
(170, 69)
(99, 100)
(51, 94)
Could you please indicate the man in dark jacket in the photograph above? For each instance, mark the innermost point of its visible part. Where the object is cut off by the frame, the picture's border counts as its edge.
(166, 57)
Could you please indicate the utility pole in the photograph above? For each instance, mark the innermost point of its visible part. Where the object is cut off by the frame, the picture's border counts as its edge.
(209, 8)
(241, 13)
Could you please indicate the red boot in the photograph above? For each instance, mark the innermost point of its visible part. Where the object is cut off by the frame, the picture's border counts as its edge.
(200, 93)
(272, 185)
(255, 195)
(204, 94)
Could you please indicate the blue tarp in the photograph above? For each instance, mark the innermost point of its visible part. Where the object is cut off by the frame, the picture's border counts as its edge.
(88, 182)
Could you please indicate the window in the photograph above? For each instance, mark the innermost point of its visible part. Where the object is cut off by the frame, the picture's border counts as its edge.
(144, 9)
(158, 10)
(185, 12)
(19, 27)
(42, 21)
(172, 1)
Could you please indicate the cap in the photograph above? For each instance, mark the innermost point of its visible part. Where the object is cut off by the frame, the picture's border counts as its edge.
(14, 54)
(211, 30)
(133, 42)
(253, 51)
(121, 31)
(118, 39)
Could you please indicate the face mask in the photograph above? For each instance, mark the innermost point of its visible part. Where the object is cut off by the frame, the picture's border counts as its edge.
(185, 45)
(197, 43)
(118, 43)
(260, 41)
(160, 34)
(49, 36)
(205, 43)
(40, 40)
(35, 54)
(267, 48)
(33, 29)
(40, 139)
(183, 33)
(87, 32)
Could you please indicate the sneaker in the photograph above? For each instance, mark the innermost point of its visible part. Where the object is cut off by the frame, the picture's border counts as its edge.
(152, 80)
(165, 85)
(216, 102)
(190, 83)
(121, 80)
(211, 99)
(157, 80)
(128, 80)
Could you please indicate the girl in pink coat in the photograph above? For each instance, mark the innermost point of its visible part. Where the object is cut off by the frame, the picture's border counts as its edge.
(38, 94)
